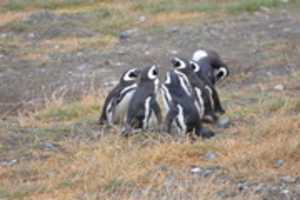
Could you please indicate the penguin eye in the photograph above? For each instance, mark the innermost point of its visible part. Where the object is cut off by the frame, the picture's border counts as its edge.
(177, 64)
(195, 67)
(155, 72)
(133, 75)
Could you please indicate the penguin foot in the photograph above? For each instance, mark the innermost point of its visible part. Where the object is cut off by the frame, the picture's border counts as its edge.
(206, 133)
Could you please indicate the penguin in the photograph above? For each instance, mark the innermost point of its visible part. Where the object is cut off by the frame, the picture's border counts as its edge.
(116, 104)
(211, 64)
(197, 88)
(143, 105)
(182, 108)
(210, 87)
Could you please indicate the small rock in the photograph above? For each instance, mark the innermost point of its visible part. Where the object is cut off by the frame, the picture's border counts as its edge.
(285, 191)
(279, 87)
(31, 35)
(8, 162)
(223, 122)
(1, 56)
(288, 179)
(128, 33)
(259, 188)
(174, 30)
(211, 156)
(79, 54)
(174, 52)
(82, 67)
(124, 35)
(147, 53)
(227, 194)
(3, 35)
(142, 18)
(196, 170)
(50, 146)
(279, 163)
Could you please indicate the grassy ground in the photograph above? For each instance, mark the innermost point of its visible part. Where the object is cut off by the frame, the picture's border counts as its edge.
(59, 152)
(84, 161)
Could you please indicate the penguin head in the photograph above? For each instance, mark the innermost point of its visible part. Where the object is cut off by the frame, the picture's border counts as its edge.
(212, 65)
(130, 76)
(150, 73)
(181, 64)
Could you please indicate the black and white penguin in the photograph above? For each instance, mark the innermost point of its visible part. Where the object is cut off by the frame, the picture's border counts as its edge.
(143, 105)
(211, 64)
(197, 87)
(182, 108)
(116, 104)
(210, 87)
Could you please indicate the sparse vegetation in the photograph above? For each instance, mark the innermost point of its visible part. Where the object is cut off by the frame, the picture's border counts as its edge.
(60, 152)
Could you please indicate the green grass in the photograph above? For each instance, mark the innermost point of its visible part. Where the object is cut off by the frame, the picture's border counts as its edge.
(17, 5)
(175, 5)
(253, 5)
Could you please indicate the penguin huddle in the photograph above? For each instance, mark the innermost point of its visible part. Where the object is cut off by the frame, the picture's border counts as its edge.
(188, 93)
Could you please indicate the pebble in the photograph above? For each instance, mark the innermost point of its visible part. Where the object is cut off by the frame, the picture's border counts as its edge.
(174, 52)
(8, 162)
(279, 87)
(280, 163)
(288, 179)
(31, 35)
(196, 170)
(142, 18)
(223, 122)
(128, 33)
(211, 156)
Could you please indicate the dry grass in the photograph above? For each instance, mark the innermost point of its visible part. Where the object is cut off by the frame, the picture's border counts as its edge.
(112, 167)
(12, 16)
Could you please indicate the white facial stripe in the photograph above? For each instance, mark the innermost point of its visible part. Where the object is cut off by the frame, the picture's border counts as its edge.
(196, 66)
(182, 64)
(147, 113)
(168, 78)
(221, 73)
(151, 74)
(127, 75)
(198, 55)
